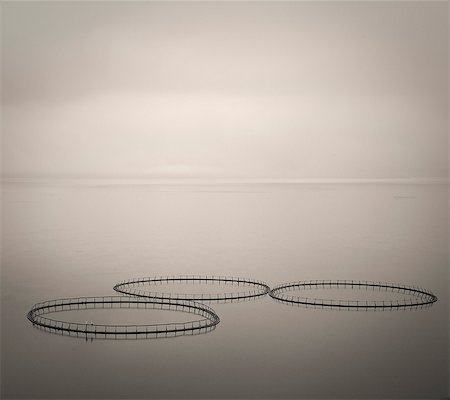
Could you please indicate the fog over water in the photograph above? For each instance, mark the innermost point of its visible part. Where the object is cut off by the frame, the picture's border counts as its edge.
(279, 141)
(274, 90)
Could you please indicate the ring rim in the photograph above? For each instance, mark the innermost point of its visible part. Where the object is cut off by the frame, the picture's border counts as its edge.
(208, 323)
(262, 289)
(427, 298)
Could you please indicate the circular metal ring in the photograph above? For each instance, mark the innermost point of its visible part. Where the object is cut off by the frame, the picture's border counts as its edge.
(208, 323)
(128, 288)
(419, 297)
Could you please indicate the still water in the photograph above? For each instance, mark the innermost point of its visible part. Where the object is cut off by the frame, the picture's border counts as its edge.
(67, 240)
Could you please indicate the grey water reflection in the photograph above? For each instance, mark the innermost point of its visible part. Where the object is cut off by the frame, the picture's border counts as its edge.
(63, 241)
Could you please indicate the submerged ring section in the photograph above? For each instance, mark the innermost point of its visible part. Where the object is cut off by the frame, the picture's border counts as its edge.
(131, 287)
(419, 297)
(208, 323)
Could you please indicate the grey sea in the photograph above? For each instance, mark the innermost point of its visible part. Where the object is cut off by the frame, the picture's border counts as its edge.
(66, 240)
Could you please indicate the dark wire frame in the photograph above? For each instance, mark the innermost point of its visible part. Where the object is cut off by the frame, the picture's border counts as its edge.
(130, 287)
(419, 297)
(206, 324)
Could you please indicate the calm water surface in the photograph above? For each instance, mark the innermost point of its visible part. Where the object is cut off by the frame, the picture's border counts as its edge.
(79, 240)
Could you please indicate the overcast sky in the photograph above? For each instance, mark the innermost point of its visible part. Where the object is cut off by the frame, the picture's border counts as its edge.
(228, 90)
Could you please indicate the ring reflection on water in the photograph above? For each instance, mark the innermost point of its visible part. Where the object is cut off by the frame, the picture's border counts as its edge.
(418, 297)
(133, 287)
(131, 331)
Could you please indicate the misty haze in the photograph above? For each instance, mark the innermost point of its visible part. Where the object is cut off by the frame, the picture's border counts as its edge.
(274, 141)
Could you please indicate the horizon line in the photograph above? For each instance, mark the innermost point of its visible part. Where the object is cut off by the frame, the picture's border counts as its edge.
(137, 180)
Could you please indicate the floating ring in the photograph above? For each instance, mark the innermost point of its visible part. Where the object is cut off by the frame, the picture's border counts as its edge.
(204, 325)
(128, 288)
(419, 297)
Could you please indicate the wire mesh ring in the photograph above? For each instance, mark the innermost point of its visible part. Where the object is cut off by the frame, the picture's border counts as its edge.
(131, 287)
(420, 297)
(208, 323)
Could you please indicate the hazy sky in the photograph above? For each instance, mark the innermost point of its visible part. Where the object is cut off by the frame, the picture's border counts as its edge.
(236, 90)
